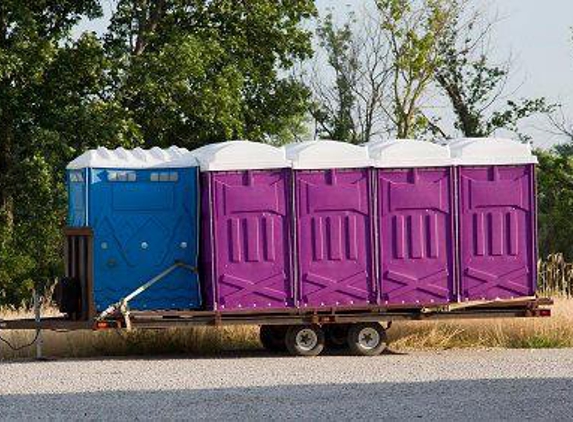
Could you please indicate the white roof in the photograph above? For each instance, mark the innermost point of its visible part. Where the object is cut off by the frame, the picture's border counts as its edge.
(240, 155)
(408, 153)
(487, 151)
(138, 158)
(378, 140)
(325, 154)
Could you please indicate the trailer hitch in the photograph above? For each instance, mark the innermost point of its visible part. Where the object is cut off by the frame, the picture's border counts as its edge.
(122, 306)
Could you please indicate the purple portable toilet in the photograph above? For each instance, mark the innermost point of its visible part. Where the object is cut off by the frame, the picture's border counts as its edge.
(415, 222)
(334, 238)
(496, 184)
(246, 231)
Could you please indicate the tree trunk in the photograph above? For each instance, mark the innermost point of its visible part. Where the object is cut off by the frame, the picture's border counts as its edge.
(147, 21)
(6, 167)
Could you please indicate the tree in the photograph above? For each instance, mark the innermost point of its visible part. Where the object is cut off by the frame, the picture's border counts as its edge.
(335, 112)
(555, 199)
(29, 33)
(49, 90)
(350, 108)
(475, 88)
(414, 30)
(198, 71)
(562, 126)
(382, 72)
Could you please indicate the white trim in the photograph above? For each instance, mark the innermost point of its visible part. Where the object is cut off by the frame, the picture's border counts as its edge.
(490, 151)
(240, 155)
(326, 154)
(133, 159)
(407, 153)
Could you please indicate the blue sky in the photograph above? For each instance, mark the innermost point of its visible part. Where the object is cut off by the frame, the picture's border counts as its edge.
(537, 34)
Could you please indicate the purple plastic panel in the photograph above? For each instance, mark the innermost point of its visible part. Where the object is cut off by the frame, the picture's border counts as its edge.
(334, 238)
(497, 238)
(416, 236)
(251, 239)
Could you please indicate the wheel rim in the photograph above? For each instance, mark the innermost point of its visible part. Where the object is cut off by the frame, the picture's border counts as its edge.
(368, 338)
(306, 339)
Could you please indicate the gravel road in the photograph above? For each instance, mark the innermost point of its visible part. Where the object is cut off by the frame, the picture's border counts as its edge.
(484, 384)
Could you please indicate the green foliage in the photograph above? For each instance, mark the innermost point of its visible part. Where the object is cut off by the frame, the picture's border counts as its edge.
(414, 30)
(48, 100)
(555, 202)
(183, 72)
(196, 72)
(336, 117)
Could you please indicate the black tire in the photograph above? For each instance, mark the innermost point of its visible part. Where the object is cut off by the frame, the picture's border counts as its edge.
(367, 339)
(336, 336)
(273, 337)
(305, 340)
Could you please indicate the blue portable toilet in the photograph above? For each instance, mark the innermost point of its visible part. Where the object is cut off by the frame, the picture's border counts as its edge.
(142, 208)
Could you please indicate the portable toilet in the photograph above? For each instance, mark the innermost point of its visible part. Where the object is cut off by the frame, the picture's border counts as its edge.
(333, 224)
(141, 208)
(246, 238)
(415, 222)
(497, 218)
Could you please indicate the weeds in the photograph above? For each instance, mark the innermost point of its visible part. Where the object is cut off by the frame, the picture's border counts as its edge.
(535, 333)
(555, 276)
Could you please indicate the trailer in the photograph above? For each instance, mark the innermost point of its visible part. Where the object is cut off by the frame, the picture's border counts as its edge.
(321, 244)
(303, 332)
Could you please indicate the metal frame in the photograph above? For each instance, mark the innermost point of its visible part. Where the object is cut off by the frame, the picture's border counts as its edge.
(524, 307)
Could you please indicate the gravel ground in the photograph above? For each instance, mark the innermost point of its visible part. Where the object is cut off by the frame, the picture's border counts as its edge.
(482, 384)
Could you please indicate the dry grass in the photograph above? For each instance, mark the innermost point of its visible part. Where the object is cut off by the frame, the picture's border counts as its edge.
(556, 331)
(196, 341)
(555, 274)
(480, 333)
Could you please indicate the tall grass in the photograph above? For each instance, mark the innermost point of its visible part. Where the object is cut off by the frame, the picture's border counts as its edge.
(177, 341)
(554, 332)
(555, 276)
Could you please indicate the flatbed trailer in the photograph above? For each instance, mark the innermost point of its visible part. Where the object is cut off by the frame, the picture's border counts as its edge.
(322, 319)
(522, 307)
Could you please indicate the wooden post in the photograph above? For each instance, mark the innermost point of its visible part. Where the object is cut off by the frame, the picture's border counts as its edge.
(38, 318)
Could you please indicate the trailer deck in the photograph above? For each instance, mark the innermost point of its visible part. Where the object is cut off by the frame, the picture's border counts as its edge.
(522, 307)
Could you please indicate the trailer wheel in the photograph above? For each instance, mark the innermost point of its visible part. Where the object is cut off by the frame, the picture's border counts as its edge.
(305, 340)
(273, 337)
(367, 339)
(336, 336)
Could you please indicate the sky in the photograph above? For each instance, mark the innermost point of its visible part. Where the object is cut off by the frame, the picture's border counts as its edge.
(537, 35)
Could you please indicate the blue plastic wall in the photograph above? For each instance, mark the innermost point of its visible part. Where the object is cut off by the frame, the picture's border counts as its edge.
(143, 222)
